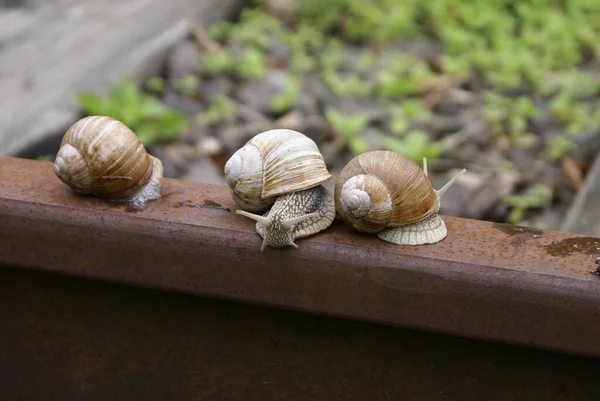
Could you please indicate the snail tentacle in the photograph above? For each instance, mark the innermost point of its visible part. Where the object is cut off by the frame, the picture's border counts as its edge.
(296, 215)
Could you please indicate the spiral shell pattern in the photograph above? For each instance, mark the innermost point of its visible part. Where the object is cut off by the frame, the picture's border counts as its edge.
(381, 189)
(101, 156)
(366, 203)
(273, 163)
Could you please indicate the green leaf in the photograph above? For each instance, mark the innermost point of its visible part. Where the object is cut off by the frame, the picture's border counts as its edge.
(94, 104)
(126, 91)
(252, 64)
(415, 145)
(358, 145)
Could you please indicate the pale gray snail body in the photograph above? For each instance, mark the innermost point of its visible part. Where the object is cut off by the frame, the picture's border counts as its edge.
(101, 156)
(275, 179)
(383, 192)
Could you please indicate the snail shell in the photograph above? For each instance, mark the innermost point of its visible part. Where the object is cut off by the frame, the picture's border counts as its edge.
(383, 192)
(101, 156)
(274, 163)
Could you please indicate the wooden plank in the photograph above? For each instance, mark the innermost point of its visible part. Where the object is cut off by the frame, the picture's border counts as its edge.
(67, 46)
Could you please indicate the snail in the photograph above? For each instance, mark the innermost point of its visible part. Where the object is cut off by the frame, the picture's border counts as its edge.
(101, 156)
(385, 193)
(275, 179)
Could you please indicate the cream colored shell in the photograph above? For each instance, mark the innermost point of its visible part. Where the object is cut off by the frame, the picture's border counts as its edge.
(273, 163)
(101, 156)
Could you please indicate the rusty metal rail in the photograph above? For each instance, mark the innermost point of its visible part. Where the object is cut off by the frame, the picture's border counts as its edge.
(485, 280)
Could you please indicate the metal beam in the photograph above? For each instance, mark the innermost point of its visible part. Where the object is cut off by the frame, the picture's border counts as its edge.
(485, 280)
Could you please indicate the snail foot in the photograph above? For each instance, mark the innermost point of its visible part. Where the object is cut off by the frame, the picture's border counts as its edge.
(152, 190)
(427, 231)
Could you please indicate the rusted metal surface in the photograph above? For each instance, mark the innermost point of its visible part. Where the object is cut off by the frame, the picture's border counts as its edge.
(71, 339)
(483, 281)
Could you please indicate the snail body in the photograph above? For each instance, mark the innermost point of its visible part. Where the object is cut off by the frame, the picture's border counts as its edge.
(275, 179)
(383, 192)
(101, 156)
(295, 215)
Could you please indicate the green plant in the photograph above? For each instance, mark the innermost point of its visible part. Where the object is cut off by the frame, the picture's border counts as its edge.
(404, 76)
(156, 84)
(348, 85)
(285, 100)
(557, 147)
(408, 112)
(414, 145)
(509, 117)
(256, 28)
(252, 64)
(349, 128)
(535, 197)
(220, 110)
(187, 86)
(217, 62)
(150, 119)
(47, 157)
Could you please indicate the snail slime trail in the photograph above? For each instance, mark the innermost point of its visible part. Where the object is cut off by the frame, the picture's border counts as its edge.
(101, 156)
(384, 193)
(275, 179)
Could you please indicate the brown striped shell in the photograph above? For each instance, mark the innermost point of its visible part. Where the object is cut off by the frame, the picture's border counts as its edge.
(273, 163)
(381, 189)
(101, 156)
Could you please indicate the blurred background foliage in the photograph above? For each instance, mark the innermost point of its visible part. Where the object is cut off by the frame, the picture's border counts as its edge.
(527, 70)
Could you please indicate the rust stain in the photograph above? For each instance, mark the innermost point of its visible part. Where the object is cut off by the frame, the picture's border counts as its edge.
(135, 208)
(512, 229)
(586, 245)
(167, 195)
(338, 271)
(211, 203)
(519, 234)
(207, 205)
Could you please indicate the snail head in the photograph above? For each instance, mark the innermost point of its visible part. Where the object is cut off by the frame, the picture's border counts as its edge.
(277, 231)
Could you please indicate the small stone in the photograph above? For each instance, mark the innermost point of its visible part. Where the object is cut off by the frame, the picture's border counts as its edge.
(293, 118)
(443, 124)
(235, 49)
(311, 126)
(306, 104)
(495, 189)
(588, 144)
(259, 94)
(351, 57)
(283, 9)
(203, 170)
(422, 48)
(208, 146)
(280, 51)
(455, 101)
(233, 136)
(249, 115)
(524, 159)
(475, 194)
(183, 60)
(373, 109)
(313, 86)
(183, 104)
(212, 87)
(173, 165)
(372, 138)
